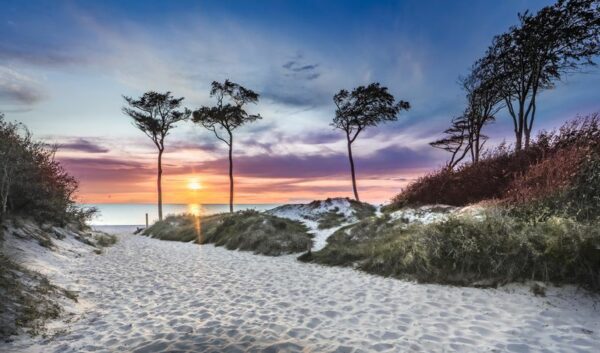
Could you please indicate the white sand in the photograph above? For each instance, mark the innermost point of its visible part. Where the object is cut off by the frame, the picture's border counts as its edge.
(310, 213)
(147, 295)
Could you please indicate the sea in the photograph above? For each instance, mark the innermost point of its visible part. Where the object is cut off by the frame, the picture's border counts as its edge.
(134, 214)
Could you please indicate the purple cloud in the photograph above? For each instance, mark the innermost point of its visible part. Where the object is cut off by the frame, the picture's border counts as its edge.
(385, 161)
(83, 145)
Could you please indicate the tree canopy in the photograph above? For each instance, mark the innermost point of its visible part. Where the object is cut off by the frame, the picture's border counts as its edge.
(156, 114)
(363, 107)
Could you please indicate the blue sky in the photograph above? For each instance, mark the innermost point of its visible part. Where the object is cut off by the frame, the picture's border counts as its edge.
(65, 64)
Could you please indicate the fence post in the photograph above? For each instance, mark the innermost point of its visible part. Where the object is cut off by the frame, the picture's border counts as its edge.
(146, 220)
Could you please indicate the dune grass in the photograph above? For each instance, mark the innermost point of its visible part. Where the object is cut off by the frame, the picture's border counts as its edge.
(335, 218)
(246, 230)
(331, 219)
(494, 250)
(27, 300)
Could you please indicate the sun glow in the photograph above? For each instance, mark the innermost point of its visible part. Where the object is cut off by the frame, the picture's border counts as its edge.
(194, 184)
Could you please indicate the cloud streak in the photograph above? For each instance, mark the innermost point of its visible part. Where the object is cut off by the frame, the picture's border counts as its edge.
(18, 88)
(83, 145)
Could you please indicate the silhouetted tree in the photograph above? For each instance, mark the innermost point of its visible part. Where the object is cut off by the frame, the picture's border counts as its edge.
(361, 108)
(156, 114)
(456, 141)
(531, 57)
(32, 181)
(227, 115)
(483, 103)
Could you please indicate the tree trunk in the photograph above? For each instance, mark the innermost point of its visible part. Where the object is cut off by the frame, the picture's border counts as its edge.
(159, 185)
(519, 140)
(230, 173)
(529, 126)
(352, 170)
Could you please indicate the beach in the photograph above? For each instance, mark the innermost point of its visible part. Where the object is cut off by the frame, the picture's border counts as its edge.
(147, 295)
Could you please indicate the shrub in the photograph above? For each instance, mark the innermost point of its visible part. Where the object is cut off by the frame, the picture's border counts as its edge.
(105, 240)
(466, 251)
(554, 162)
(246, 230)
(32, 182)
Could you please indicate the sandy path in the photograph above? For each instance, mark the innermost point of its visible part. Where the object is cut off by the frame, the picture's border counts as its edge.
(147, 295)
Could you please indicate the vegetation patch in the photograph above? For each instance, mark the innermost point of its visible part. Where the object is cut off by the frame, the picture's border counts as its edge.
(245, 230)
(105, 240)
(491, 250)
(331, 219)
(560, 171)
(27, 300)
(33, 182)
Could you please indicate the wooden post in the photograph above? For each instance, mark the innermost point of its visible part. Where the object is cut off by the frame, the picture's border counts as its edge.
(146, 220)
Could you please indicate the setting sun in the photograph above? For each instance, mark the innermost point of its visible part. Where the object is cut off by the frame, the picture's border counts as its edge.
(194, 184)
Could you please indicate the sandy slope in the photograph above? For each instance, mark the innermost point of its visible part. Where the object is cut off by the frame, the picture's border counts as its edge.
(311, 212)
(146, 295)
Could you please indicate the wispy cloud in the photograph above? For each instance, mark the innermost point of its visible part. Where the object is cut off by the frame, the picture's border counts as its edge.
(19, 88)
(82, 145)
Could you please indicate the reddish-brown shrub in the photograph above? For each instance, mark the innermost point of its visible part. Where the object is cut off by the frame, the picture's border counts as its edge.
(504, 173)
(553, 174)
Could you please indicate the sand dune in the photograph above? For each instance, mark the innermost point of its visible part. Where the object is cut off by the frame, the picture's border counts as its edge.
(146, 295)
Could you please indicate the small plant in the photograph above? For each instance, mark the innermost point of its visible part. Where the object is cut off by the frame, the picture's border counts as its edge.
(46, 242)
(538, 289)
(105, 240)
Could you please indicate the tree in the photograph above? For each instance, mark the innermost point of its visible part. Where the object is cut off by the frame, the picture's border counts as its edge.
(483, 100)
(456, 141)
(32, 181)
(361, 108)
(156, 114)
(559, 39)
(227, 115)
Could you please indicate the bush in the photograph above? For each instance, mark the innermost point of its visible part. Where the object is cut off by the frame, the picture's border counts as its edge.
(32, 182)
(465, 251)
(554, 162)
(246, 230)
(105, 240)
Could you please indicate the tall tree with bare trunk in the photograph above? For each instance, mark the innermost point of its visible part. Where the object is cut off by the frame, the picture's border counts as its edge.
(363, 107)
(228, 115)
(156, 114)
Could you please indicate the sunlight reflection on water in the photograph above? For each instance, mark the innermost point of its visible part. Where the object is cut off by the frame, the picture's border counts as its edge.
(135, 214)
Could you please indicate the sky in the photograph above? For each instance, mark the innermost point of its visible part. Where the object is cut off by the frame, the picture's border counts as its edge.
(65, 65)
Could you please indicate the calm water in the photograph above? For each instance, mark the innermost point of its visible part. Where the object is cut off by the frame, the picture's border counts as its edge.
(135, 214)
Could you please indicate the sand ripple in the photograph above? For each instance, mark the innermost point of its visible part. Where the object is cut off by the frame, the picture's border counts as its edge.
(145, 295)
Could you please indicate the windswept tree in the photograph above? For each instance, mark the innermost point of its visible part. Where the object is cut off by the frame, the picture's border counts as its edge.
(483, 103)
(455, 141)
(228, 115)
(156, 114)
(533, 56)
(363, 107)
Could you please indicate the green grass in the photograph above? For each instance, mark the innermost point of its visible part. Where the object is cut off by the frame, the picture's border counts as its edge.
(464, 251)
(247, 230)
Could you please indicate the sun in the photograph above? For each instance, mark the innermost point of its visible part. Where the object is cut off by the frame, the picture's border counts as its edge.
(194, 184)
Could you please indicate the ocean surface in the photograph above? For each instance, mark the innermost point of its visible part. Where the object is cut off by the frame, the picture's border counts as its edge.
(125, 214)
